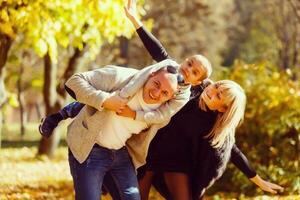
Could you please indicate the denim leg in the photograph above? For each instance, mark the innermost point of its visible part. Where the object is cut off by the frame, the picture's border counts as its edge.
(111, 187)
(124, 177)
(88, 176)
(71, 110)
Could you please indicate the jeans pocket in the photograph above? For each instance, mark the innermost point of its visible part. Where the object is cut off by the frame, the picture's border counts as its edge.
(98, 158)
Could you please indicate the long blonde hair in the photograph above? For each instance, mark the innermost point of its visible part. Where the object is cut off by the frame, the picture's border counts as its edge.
(228, 121)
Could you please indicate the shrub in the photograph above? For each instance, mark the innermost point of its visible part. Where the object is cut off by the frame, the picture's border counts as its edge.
(269, 136)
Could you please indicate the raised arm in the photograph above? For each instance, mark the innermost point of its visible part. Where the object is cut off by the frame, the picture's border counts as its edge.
(242, 163)
(151, 43)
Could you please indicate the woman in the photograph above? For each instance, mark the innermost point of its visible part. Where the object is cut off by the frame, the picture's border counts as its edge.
(192, 151)
(206, 124)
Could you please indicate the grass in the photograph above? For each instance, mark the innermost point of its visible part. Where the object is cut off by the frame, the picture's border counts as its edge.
(11, 132)
(26, 176)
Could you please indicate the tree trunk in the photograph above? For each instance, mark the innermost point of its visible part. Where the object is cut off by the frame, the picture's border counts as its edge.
(1, 126)
(5, 44)
(70, 70)
(21, 102)
(47, 146)
(38, 110)
(124, 47)
(52, 94)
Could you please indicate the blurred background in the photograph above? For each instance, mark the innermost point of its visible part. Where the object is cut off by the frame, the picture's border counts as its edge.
(42, 43)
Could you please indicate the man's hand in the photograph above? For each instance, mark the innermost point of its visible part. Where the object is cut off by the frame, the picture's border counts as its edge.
(126, 112)
(115, 102)
(265, 185)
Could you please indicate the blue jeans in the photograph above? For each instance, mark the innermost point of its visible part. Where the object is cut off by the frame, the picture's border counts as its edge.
(88, 177)
(71, 110)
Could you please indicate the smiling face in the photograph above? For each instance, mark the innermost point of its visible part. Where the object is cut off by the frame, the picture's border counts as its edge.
(160, 87)
(214, 98)
(195, 69)
(229, 99)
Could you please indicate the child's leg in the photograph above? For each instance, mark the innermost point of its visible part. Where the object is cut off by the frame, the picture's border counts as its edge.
(71, 110)
(49, 123)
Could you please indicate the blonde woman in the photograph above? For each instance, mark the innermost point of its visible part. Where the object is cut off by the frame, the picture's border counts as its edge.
(192, 151)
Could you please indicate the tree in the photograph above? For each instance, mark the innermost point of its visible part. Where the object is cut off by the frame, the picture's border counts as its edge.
(185, 28)
(268, 30)
(5, 43)
(50, 27)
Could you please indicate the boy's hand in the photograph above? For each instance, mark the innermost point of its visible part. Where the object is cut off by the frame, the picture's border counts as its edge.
(130, 9)
(115, 102)
(132, 14)
(127, 112)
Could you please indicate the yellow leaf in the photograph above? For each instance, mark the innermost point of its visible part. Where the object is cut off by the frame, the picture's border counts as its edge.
(13, 100)
(7, 29)
(41, 47)
(4, 16)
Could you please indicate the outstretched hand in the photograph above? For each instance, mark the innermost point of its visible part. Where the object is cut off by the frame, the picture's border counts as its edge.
(130, 9)
(132, 14)
(266, 186)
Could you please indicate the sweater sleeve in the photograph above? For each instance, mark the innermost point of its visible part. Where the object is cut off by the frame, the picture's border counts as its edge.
(241, 162)
(92, 87)
(152, 44)
(165, 111)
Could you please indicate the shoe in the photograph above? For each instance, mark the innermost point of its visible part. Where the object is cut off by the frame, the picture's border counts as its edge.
(48, 124)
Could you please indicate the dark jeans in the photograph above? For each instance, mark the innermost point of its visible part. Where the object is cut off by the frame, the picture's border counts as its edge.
(116, 165)
(71, 110)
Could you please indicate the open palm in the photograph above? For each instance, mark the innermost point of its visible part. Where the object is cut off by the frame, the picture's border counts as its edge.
(130, 9)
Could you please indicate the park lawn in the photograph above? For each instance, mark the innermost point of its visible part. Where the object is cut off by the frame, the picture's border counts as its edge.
(11, 132)
(25, 176)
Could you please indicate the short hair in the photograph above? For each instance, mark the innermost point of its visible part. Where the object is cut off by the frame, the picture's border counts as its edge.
(205, 63)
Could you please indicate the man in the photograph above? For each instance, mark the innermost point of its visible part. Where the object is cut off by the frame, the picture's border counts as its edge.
(98, 135)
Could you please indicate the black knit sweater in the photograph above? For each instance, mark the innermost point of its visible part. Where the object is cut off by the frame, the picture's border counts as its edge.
(181, 145)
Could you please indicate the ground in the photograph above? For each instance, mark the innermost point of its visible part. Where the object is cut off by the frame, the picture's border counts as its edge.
(25, 176)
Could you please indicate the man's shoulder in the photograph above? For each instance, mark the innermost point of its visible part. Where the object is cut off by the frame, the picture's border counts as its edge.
(117, 70)
(169, 61)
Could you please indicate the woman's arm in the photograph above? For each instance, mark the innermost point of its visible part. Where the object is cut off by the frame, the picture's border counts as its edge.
(151, 43)
(242, 163)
